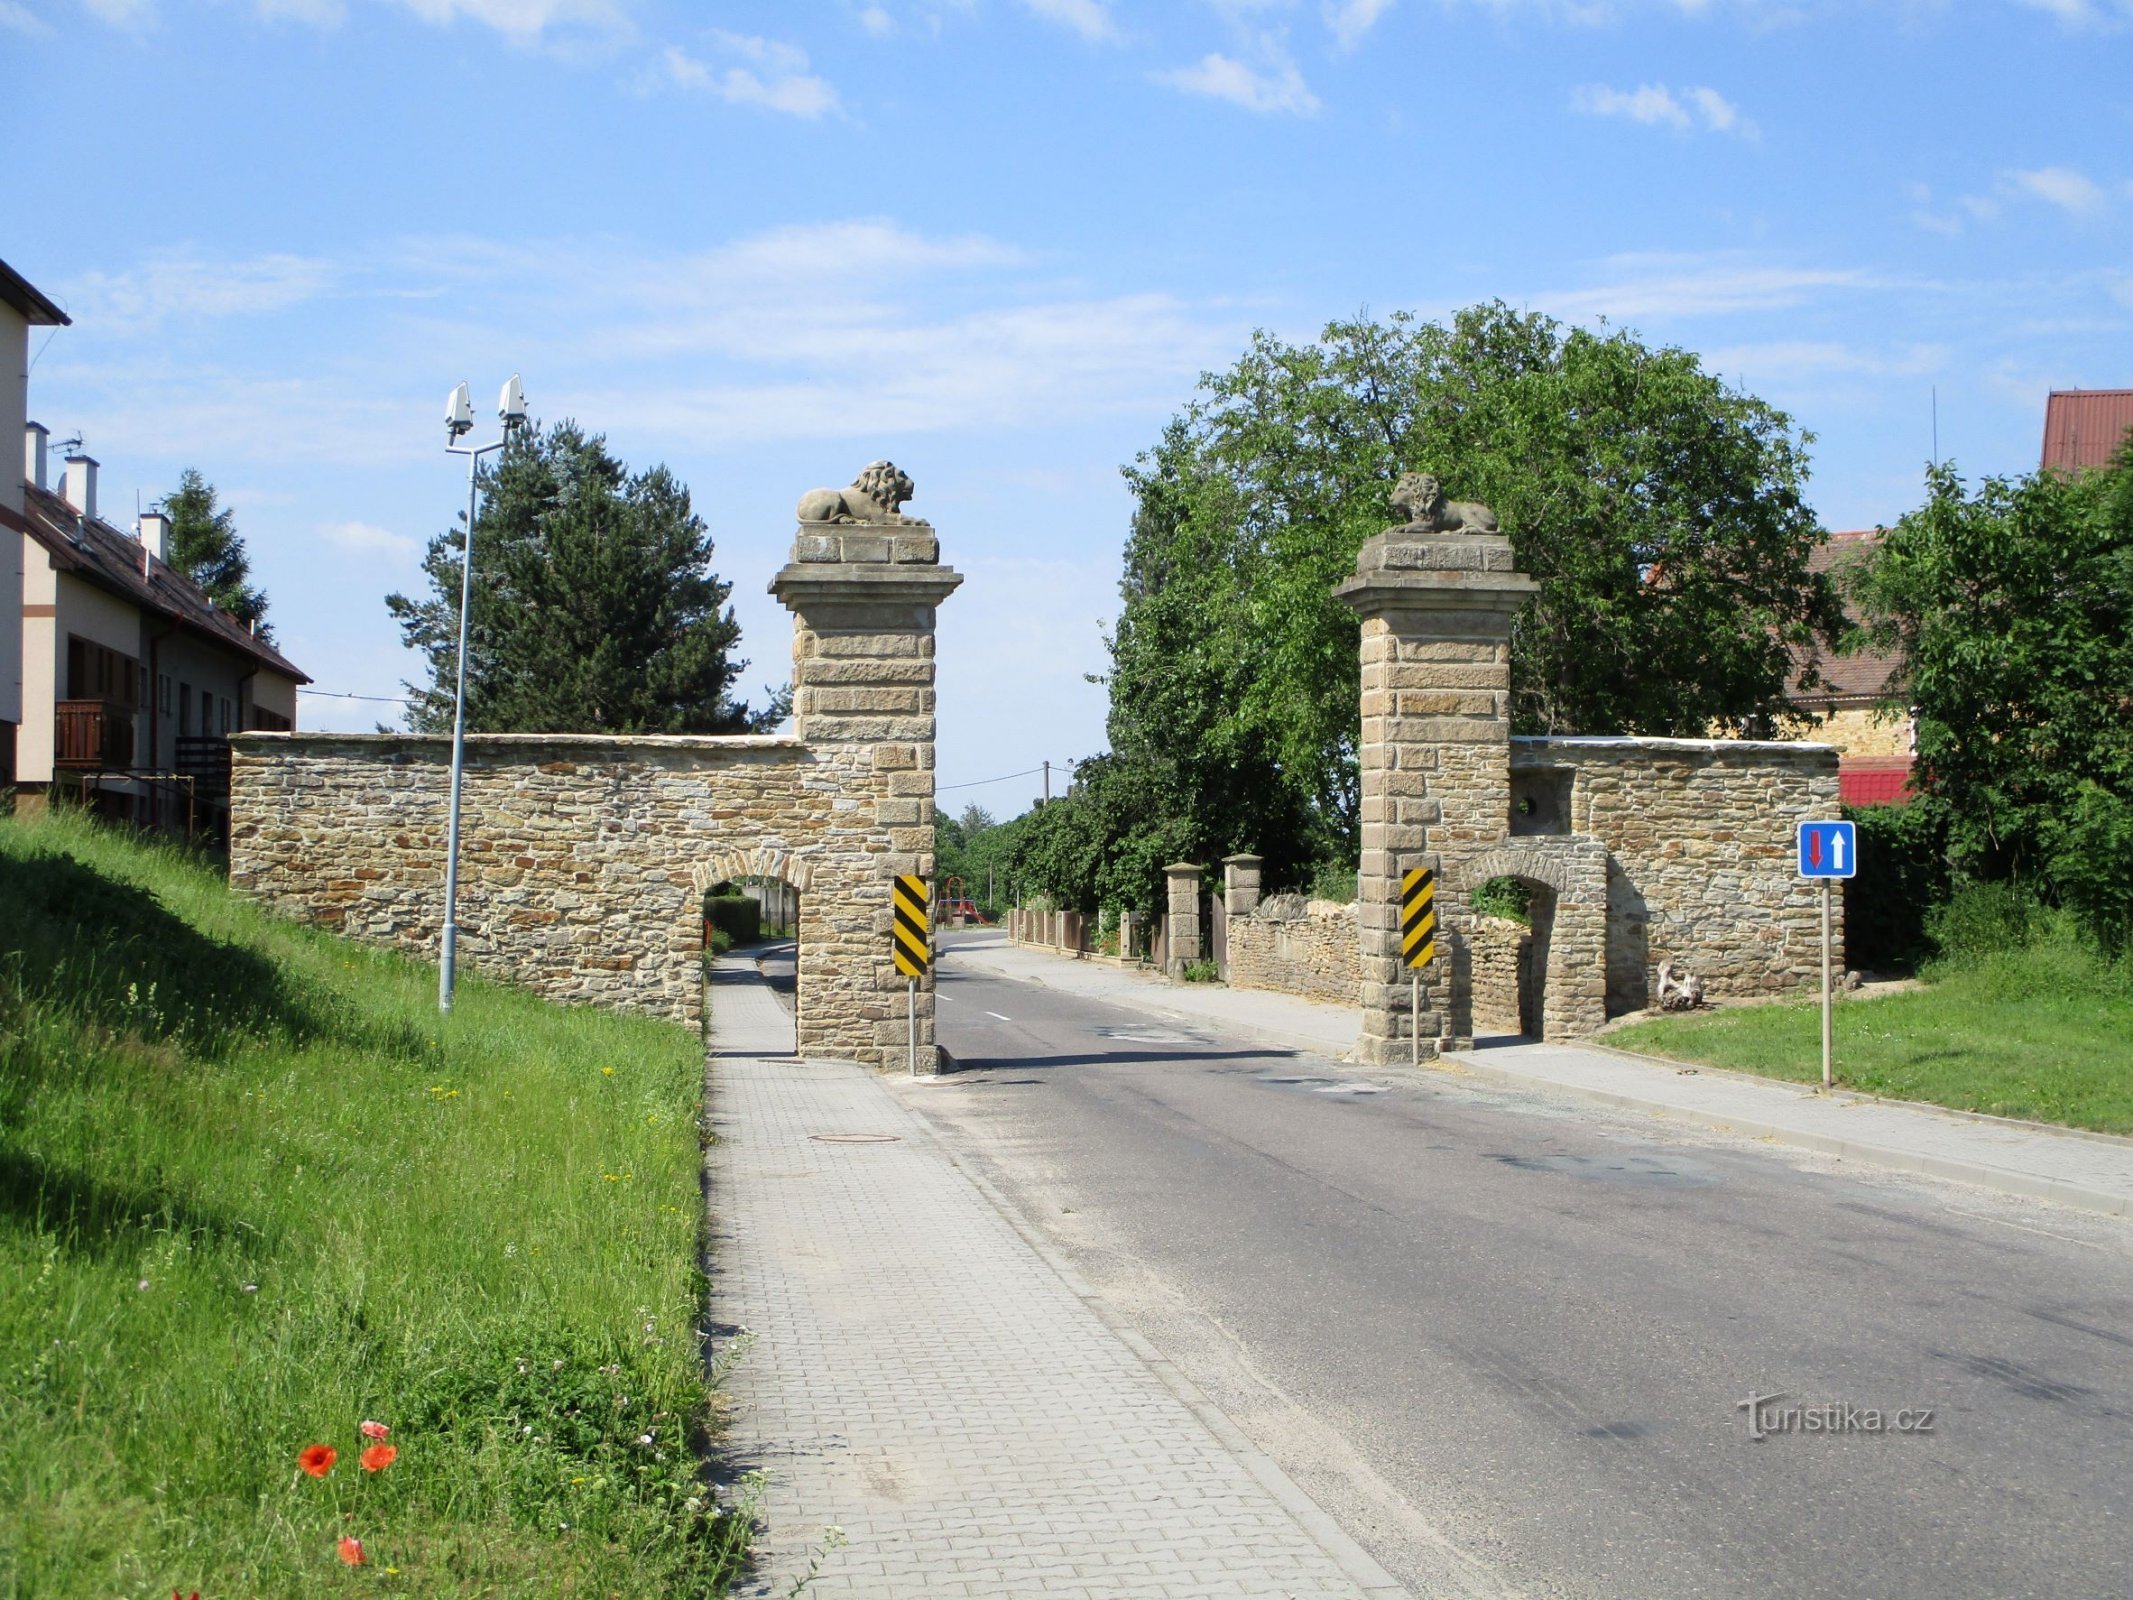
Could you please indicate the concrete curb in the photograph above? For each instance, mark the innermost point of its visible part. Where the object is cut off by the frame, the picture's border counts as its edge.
(2027, 1185)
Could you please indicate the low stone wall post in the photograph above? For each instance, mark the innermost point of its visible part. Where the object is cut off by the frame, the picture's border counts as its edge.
(1240, 884)
(1183, 883)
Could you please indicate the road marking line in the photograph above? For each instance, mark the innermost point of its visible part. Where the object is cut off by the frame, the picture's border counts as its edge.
(997, 1014)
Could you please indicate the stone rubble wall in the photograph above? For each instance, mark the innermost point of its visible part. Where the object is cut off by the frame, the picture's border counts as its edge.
(583, 859)
(1312, 950)
(1700, 857)
(1502, 949)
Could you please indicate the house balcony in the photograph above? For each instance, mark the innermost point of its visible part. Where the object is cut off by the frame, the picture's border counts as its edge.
(92, 736)
(206, 760)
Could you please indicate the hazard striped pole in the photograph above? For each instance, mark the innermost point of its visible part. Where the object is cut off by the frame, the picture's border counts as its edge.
(1418, 941)
(911, 944)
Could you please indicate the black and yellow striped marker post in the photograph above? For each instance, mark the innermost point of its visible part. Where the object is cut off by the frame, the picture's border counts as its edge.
(1418, 940)
(911, 943)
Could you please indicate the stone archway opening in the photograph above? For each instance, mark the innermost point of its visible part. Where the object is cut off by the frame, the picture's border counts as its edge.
(774, 882)
(1514, 926)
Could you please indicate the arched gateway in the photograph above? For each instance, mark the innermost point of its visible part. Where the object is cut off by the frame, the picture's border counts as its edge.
(584, 857)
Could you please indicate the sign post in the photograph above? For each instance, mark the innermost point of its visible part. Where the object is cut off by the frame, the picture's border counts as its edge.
(911, 943)
(1418, 941)
(1829, 853)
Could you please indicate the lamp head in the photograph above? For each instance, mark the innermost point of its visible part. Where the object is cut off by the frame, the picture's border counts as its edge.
(458, 415)
(511, 404)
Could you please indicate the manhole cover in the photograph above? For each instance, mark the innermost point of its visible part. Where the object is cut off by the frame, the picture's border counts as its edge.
(855, 1138)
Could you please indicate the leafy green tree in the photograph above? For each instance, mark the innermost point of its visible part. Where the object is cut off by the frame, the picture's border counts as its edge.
(1660, 511)
(595, 608)
(206, 547)
(2011, 610)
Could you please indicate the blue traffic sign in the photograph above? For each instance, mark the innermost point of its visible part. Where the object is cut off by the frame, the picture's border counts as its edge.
(1829, 849)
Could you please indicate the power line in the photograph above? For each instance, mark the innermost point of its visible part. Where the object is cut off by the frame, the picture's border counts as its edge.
(982, 782)
(332, 694)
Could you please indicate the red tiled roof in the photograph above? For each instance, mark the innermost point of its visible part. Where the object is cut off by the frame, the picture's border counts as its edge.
(2084, 427)
(1875, 780)
(97, 552)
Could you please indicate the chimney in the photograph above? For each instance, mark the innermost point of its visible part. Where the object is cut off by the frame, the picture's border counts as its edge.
(34, 436)
(80, 488)
(155, 535)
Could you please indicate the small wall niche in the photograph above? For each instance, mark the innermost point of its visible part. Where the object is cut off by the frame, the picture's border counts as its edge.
(1540, 801)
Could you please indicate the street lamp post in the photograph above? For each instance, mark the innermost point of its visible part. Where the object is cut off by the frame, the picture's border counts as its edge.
(458, 423)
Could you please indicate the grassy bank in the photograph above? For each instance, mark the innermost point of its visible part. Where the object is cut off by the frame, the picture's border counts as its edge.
(2042, 1031)
(253, 1193)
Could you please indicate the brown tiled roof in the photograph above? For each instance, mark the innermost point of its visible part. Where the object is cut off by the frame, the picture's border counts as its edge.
(93, 550)
(1854, 680)
(2084, 427)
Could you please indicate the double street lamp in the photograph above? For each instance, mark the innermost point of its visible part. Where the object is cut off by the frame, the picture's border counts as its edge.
(458, 423)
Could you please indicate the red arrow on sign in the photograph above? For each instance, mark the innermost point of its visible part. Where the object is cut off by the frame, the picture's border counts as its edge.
(1814, 847)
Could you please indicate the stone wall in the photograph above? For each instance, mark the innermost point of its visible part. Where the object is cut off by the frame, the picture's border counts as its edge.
(1502, 977)
(1700, 855)
(583, 858)
(1297, 947)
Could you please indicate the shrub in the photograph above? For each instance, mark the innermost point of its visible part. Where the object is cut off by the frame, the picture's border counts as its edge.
(1201, 972)
(2091, 865)
(736, 916)
(1981, 920)
(1903, 875)
(1504, 897)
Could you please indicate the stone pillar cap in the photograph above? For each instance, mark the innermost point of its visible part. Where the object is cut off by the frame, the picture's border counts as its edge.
(1242, 858)
(1178, 868)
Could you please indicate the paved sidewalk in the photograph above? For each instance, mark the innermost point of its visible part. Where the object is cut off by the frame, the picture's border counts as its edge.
(2092, 1171)
(921, 1376)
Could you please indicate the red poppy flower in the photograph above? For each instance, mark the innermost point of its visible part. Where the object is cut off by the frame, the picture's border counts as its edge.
(351, 1551)
(317, 1459)
(372, 1430)
(378, 1457)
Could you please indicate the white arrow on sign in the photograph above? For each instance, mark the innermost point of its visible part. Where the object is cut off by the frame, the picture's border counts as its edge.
(1836, 851)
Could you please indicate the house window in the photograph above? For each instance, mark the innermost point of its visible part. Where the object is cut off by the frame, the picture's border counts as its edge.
(185, 710)
(207, 712)
(225, 716)
(163, 693)
(97, 672)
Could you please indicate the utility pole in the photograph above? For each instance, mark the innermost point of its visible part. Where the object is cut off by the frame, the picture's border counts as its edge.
(1047, 783)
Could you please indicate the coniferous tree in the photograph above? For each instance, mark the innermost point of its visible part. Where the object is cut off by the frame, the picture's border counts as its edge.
(206, 547)
(595, 607)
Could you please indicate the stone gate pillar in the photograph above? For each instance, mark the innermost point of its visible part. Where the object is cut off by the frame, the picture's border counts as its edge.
(862, 583)
(1240, 884)
(1436, 597)
(1182, 881)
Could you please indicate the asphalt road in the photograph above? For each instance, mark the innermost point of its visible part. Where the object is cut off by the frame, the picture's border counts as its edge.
(1505, 1339)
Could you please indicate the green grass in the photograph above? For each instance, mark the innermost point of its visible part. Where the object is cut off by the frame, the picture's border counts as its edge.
(2043, 1032)
(253, 1191)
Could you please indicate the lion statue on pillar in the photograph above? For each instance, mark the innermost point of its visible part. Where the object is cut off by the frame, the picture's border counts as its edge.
(1421, 497)
(876, 495)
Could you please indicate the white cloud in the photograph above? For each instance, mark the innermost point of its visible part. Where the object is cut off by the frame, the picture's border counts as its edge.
(757, 72)
(134, 16)
(1089, 18)
(21, 19)
(1673, 287)
(189, 285)
(1351, 19)
(2060, 186)
(527, 21)
(367, 539)
(1804, 358)
(876, 22)
(1655, 105)
(1279, 88)
(2086, 13)
(317, 13)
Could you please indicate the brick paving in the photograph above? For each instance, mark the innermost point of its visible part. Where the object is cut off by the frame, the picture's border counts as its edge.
(920, 1376)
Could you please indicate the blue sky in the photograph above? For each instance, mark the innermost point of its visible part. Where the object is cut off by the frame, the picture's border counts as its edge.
(998, 241)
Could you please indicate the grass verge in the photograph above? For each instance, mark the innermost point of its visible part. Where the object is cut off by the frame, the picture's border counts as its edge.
(2040, 1031)
(255, 1192)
